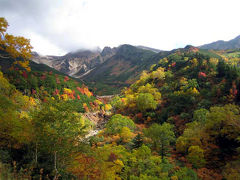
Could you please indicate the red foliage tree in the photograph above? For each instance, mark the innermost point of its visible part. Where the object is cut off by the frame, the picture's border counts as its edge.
(57, 80)
(34, 91)
(207, 174)
(80, 90)
(202, 74)
(24, 74)
(43, 77)
(173, 64)
(66, 78)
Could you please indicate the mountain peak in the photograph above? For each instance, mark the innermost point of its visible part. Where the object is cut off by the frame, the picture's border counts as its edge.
(126, 46)
(191, 48)
(106, 50)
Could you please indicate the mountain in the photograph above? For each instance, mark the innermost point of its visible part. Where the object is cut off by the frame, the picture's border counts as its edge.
(223, 45)
(116, 66)
(126, 66)
(77, 63)
(121, 69)
(111, 69)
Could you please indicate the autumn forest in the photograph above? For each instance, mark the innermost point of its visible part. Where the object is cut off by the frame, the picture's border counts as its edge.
(179, 120)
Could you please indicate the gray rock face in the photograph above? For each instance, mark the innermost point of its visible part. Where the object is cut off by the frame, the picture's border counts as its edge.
(76, 64)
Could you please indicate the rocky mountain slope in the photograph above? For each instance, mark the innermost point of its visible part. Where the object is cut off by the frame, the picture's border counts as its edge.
(76, 64)
(223, 45)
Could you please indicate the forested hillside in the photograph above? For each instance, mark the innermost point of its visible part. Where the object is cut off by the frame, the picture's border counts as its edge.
(189, 105)
(44, 83)
(41, 114)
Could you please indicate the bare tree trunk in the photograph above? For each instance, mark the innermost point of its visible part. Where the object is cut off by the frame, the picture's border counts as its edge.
(41, 173)
(15, 170)
(36, 154)
(162, 151)
(55, 166)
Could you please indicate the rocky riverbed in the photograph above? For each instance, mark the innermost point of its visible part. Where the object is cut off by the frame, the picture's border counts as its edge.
(99, 119)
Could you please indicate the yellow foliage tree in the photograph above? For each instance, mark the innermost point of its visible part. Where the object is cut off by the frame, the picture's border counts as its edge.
(193, 91)
(64, 97)
(196, 156)
(87, 92)
(143, 78)
(108, 107)
(126, 134)
(214, 61)
(15, 122)
(15, 46)
(67, 91)
(148, 88)
(158, 74)
(194, 62)
(24, 64)
(3, 28)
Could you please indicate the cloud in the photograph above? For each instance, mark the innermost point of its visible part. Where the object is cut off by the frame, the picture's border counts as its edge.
(60, 26)
(44, 22)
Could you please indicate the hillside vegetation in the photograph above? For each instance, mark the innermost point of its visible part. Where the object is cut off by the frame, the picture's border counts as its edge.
(195, 97)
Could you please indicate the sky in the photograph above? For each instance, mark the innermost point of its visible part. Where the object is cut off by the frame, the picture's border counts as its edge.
(56, 27)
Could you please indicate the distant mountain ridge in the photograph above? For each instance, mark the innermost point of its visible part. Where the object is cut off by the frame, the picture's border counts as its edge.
(223, 45)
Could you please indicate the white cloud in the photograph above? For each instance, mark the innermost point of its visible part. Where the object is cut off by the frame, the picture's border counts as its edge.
(43, 46)
(61, 26)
